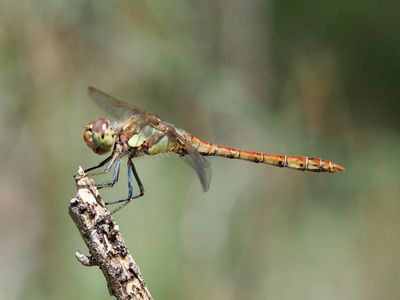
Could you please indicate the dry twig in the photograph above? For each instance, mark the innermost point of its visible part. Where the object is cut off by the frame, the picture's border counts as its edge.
(106, 245)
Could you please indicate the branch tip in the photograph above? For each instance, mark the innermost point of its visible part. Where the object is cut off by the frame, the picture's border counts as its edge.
(87, 261)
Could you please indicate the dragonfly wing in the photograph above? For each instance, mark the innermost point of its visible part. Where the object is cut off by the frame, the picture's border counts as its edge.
(199, 163)
(118, 108)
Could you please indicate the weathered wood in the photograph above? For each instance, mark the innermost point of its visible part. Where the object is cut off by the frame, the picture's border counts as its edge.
(106, 245)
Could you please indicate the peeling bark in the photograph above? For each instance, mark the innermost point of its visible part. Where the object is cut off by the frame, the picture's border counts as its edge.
(106, 245)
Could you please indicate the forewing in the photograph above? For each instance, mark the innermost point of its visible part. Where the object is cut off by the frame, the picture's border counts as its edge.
(118, 108)
(199, 163)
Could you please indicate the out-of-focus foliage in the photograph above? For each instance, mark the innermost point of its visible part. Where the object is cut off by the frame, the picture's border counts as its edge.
(303, 77)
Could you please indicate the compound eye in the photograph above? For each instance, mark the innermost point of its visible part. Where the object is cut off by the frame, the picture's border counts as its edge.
(103, 134)
(100, 126)
(99, 136)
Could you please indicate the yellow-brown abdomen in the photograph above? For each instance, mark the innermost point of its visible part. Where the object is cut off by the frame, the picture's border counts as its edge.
(302, 163)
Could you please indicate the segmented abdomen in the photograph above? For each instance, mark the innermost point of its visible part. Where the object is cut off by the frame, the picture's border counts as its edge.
(302, 163)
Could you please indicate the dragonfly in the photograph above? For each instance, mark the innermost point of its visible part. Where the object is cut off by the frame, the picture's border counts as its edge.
(141, 133)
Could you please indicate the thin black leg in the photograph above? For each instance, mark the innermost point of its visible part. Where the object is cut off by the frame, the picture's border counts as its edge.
(141, 188)
(129, 198)
(102, 163)
(114, 178)
(130, 188)
(106, 170)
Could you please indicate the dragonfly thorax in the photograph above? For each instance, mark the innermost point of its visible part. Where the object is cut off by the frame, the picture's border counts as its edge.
(99, 135)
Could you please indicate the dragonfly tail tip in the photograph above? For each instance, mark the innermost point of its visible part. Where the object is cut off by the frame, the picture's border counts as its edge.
(339, 168)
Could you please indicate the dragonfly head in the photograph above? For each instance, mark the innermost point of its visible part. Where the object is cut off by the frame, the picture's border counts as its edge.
(99, 136)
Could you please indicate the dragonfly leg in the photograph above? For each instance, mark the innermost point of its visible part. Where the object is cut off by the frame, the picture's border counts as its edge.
(110, 159)
(130, 197)
(102, 163)
(114, 179)
(140, 184)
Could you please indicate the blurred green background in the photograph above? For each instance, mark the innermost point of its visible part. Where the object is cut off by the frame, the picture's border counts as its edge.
(319, 78)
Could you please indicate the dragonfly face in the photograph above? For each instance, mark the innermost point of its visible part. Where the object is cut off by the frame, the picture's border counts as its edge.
(99, 136)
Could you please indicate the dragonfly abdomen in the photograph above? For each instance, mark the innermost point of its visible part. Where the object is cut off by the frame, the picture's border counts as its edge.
(302, 163)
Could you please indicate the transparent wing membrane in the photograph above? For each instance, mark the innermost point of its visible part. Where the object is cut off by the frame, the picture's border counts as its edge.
(199, 163)
(117, 108)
